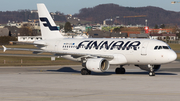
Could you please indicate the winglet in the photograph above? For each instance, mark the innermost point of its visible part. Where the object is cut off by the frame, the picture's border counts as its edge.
(4, 48)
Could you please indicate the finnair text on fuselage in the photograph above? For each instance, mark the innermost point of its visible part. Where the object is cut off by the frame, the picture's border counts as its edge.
(108, 45)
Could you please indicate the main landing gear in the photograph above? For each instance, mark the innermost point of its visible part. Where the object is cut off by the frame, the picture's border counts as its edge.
(85, 71)
(120, 70)
(151, 73)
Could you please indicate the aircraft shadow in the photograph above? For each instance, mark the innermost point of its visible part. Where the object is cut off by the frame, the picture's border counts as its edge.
(65, 69)
(71, 70)
(147, 73)
(142, 73)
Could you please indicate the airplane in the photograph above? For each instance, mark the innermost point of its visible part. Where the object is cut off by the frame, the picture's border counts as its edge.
(97, 54)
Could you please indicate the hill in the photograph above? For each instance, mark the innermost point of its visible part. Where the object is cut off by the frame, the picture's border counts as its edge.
(24, 15)
(99, 13)
(154, 15)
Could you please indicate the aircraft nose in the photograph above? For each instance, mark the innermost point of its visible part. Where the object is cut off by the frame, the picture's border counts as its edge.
(172, 56)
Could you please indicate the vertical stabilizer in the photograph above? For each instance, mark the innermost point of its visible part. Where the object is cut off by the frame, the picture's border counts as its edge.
(49, 29)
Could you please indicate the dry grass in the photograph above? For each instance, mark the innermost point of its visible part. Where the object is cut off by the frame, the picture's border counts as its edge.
(178, 56)
(33, 61)
(30, 61)
(175, 47)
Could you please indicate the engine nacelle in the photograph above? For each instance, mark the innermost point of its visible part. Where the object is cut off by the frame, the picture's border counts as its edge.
(145, 67)
(97, 64)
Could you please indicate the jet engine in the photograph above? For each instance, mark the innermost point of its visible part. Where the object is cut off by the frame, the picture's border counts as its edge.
(97, 64)
(145, 67)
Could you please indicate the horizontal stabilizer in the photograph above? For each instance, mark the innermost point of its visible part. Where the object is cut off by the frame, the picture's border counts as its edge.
(28, 43)
(21, 49)
(4, 48)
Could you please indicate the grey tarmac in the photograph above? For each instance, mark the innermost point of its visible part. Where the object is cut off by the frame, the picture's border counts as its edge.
(65, 83)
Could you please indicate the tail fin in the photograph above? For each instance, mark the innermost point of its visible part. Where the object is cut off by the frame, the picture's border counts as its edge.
(49, 29)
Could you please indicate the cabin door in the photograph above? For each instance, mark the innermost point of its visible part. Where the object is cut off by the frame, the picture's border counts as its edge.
(144, 48)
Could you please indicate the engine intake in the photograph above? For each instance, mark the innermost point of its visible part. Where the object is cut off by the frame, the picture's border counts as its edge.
(97, 64)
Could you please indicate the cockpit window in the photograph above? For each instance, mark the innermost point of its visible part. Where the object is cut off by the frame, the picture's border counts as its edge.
(165, 47)
(161, 47)
(169, 47)
(156, 47)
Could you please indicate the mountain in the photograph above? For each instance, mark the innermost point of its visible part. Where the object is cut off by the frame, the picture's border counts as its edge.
(129, 15)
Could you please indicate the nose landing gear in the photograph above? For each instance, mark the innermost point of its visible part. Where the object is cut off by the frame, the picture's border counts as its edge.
(151, 73)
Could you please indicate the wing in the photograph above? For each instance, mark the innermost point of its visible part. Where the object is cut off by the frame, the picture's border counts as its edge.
(74, 55)
(83, 55)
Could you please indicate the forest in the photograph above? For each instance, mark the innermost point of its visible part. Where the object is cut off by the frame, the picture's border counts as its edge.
(129, 15)
(25, 15)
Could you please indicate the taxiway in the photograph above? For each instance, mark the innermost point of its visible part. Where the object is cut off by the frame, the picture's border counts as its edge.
(65, 83)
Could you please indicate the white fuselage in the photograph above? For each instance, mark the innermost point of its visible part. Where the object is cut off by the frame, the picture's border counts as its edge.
(97, 54)
(125, 51)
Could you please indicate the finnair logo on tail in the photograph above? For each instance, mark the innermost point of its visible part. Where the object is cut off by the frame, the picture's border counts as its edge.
(47, 24)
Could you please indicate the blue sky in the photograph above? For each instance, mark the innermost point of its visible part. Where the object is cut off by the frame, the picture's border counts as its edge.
(73, 6)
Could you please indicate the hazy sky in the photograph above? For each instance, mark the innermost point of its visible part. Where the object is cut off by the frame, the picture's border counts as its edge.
(73, 6)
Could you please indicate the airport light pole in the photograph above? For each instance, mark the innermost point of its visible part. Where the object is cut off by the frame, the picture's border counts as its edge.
(173, 2)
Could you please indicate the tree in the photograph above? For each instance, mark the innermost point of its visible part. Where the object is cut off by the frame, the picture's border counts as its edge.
(162, 26)
(156, 26)
(26, 30)
(10, 33)
(4, 40)
(178, 34)
(167, 39)
(67, 27)
(117, 29)
(60, 27)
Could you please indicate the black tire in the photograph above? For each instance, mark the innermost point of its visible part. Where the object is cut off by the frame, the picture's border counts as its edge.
(117, 70)
(123, 71)
(89, 72)
(120, 70)
(151, 73)
(85, 71)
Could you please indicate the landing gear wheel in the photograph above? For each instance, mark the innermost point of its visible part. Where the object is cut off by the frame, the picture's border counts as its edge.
(120, 70)
(85, 71)
(151, 74)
